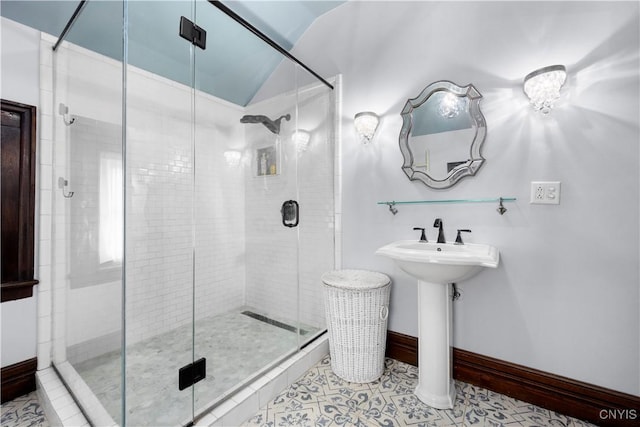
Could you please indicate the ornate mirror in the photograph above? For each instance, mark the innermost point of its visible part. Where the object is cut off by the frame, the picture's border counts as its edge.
(442, 132)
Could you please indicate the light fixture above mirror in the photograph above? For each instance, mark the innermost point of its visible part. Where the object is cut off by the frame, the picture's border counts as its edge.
(543, 86)
(366, 124)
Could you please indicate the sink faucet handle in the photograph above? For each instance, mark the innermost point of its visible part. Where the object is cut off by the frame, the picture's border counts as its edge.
(459, 237)
(423, 237)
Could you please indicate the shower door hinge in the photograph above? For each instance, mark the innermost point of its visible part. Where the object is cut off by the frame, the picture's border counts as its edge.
(192, 373)
(193, 33)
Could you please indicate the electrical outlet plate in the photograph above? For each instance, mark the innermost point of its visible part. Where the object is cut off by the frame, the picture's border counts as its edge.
(545, 192)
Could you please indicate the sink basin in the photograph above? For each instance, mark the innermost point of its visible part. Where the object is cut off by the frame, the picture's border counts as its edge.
(436, 265)
(440, 262)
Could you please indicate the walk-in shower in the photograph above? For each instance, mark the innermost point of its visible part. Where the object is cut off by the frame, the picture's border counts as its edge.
(175, 282)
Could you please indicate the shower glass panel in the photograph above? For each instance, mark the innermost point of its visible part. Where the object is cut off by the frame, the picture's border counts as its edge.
(202, 216)
(235, 337)
(159, 213)
(248, 281)
(88, 225)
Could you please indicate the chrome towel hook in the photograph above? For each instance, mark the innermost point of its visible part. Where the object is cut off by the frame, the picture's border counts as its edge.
(62, 184)
(63, 110)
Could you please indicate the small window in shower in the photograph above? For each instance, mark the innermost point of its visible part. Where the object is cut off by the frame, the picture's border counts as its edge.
(96, 208)
(111, 222)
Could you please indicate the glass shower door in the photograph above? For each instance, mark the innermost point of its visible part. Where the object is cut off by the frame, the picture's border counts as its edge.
(87, 217)
(159, 215)
(263, 207)
(246, 270)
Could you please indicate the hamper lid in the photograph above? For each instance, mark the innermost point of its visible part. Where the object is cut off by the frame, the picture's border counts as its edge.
(355, 279)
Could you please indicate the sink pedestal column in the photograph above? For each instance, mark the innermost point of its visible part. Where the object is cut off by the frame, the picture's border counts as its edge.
(435, 380)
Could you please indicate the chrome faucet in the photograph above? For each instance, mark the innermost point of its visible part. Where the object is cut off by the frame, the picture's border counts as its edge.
(438, 224)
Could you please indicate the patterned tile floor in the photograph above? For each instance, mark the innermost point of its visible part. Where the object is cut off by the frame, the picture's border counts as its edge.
(320, 398)
(24, 411)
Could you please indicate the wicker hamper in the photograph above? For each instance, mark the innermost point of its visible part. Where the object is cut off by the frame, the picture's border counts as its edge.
(356, 307)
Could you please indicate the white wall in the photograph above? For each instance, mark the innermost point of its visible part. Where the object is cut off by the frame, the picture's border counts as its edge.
(565, 297)
(20, 83)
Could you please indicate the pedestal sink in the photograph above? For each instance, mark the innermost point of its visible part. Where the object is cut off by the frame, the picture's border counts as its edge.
(436, 266)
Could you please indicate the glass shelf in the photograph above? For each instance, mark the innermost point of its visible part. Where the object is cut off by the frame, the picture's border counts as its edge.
(501, 209)
(416, 202)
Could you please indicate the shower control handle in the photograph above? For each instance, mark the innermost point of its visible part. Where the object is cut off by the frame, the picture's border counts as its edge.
(290, 213)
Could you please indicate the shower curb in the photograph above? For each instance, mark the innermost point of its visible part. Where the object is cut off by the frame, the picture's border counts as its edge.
(257, 394)
(62, 410)
(57, 403)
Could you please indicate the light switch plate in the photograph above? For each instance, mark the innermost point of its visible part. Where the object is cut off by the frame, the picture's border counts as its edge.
(545, 192)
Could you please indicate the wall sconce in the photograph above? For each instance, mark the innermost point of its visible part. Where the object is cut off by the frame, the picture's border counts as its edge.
(366, 124)
(233, 157)
(543, 86)
(301, 138)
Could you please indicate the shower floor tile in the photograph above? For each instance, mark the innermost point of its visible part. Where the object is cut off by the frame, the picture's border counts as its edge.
(320, 398)
(235, 345)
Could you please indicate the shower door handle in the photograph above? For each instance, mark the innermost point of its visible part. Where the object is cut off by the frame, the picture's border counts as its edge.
(290, 213)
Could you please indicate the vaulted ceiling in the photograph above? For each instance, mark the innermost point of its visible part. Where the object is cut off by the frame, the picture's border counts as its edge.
(234, 64)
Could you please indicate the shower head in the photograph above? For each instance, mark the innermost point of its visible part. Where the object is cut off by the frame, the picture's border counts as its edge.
(272, 125)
